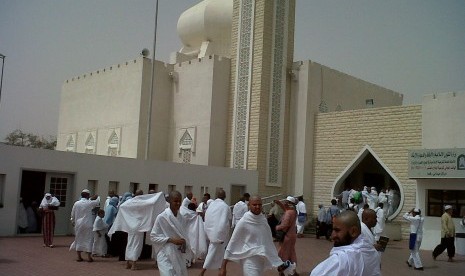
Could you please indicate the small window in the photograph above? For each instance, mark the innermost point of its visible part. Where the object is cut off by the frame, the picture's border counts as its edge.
(171, 188)
(2, 188)
(58, 188)
(133, 187)
(369, 103)
(203, 190)
(153, 187)
(92, 185)
(187, 189)
(113, 186)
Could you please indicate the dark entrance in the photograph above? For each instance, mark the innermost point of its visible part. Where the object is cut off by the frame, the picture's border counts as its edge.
(367, 171)
(32, 193)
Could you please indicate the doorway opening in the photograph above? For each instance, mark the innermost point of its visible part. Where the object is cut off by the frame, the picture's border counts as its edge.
(32, 193)
(367, 169)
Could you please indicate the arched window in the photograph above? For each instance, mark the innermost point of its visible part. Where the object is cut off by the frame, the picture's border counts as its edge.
(323, 107)
(71, 144)
(90, 144)
(185, 144)
(113, 144)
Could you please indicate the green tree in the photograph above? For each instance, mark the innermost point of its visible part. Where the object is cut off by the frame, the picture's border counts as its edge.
(22, 139)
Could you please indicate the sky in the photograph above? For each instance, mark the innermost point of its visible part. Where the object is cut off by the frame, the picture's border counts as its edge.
(415, 47)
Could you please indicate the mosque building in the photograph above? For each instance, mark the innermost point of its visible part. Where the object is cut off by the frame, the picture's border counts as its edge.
(234, 97)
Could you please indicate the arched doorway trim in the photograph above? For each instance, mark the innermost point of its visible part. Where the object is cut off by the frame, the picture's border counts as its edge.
(355, 162)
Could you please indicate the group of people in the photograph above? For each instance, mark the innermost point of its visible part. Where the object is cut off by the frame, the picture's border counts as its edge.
(324, 220)
(182, 232)
(355, 199)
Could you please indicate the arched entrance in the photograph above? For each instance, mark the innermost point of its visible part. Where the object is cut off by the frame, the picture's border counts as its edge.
(367, 169)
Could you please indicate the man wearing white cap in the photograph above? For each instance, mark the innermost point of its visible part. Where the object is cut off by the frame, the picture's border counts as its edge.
(83, 222)
(416, 236)
(447, 235)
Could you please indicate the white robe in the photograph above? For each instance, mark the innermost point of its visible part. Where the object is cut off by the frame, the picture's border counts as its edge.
(134, 246)
(252, 245)
(358, 258)
(22, 216)
(367, 234)
(136, 216)
(416, 226)
(301, 209)
(239, 209)
(217, 224)
(380, 223)
(99, 246)
(81, 216)
(138, 213)
(185, 202)
(196, 232)
(170, 260)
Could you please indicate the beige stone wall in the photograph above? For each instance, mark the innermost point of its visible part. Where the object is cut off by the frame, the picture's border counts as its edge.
(340, 136)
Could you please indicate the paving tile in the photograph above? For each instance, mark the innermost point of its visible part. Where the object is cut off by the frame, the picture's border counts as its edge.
(26, 256)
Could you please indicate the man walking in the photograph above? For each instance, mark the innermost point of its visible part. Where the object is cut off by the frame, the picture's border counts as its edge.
(416, 236)
(380, 221)
(217, 224)
(301, 216)
(351, 254)
(251, 244)
(83, 222)
(169, 237)
(447, 235)
(240, 208)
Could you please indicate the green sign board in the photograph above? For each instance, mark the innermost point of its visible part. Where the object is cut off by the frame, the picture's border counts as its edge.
(437, 163)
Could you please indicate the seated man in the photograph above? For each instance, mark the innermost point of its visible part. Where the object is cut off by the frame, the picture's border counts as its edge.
(351, 254)
(252, 245)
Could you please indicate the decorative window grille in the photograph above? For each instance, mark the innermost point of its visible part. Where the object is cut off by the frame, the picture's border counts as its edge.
(186, 156)
(185, 144)
(244, 71)
(113, 144)
(90, 144)
(278, 88)
(71, 144)
(323, 107)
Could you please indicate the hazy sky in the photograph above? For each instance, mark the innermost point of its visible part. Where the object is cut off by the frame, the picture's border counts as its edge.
(415, 47)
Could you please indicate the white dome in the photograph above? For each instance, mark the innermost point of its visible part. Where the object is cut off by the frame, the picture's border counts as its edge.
(208, 23)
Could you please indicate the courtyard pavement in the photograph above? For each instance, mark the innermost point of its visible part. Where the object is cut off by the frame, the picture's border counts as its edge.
(26, 256)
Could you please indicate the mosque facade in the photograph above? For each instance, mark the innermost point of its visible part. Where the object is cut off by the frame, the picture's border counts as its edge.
(233, 97)
(237, 101)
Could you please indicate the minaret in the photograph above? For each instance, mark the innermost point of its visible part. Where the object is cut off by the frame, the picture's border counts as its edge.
(262, 55)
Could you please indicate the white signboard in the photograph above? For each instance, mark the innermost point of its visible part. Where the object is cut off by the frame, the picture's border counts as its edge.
(437, 163)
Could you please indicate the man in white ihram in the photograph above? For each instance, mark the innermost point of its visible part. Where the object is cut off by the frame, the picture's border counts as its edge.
(217, 224)
(240, 208)
(351, 254)
(135, 217)
(169, 237)
(252, 245)
(380, 221)
(83, 222)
